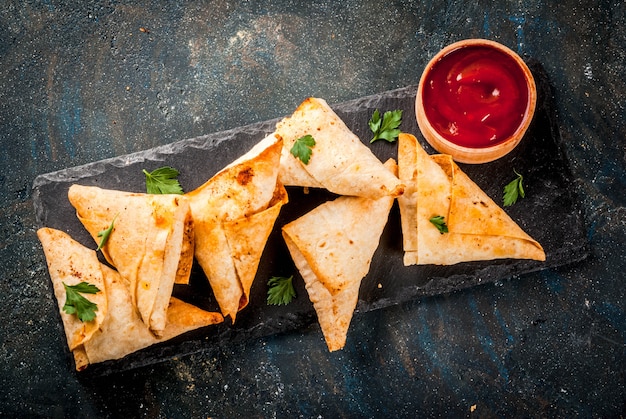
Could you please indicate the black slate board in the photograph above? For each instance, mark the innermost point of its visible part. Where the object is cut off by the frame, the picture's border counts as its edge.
(549, 213)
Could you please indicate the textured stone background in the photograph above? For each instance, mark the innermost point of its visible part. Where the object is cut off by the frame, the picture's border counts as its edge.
(82, 81)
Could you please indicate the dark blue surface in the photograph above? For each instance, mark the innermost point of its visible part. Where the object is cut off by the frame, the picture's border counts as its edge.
(80, 82)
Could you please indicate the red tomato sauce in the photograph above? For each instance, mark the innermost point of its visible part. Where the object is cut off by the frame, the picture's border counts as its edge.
(475, 96)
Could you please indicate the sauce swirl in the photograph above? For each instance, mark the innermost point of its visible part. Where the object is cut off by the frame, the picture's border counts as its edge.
(475, 96)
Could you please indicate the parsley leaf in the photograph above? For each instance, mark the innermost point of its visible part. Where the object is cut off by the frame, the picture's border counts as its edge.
(281, 290)
(163, 181)
(513, 190)
(387, 128)
(104, 234)
(302, 148)
(439, 223)
(79, 305)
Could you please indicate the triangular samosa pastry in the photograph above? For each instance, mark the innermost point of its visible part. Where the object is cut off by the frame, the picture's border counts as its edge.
(478, 229)
(118, 330)
(123, 332)
(234, 213)
(148, 244)
(339, 162)
(71, 263)
(332, 246)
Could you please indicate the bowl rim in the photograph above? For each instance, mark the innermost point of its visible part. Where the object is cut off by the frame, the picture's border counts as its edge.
(479, 154)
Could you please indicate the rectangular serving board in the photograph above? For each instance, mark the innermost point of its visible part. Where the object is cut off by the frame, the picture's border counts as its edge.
(549, 213)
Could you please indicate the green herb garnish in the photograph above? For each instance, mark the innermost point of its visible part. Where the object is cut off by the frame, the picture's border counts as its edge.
(387, 127)
(302, 148)
(281, 290)
(104, 234)
(513, 190)
(75, 303)
(439, 223)
(163, 181)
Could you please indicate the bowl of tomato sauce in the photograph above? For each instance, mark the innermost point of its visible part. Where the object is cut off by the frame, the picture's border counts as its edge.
(475, 100)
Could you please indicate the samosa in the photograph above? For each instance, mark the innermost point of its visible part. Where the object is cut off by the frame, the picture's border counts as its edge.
(234, 213)
(332, 246)
(477, 228)
(117, 329)
(148, 241)
(339, 161)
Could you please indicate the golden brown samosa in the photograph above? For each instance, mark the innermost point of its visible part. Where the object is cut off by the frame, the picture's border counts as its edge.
(148, 244)
(234, 213)
(332, 246)
(339, 162)
(478, 229)
(71, 263)
(117, 329)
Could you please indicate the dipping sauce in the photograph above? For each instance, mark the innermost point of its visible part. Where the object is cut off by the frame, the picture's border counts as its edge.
(475, 96)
